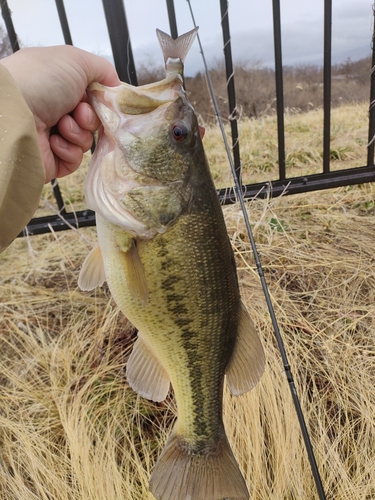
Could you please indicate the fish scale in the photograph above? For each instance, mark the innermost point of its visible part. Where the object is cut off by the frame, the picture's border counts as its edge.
(168, 261)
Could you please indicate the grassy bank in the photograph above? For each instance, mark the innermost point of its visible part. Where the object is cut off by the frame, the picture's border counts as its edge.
(71, 429)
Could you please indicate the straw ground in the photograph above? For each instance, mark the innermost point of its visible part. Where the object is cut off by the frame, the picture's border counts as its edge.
(70, 427)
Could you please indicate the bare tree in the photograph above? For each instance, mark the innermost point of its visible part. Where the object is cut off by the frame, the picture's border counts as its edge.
(5, 46)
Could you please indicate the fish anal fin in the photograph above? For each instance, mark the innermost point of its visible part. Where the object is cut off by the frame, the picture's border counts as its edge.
(181, 473)
(247, 363)
(145, 374)
(92, 271)
(135, 272)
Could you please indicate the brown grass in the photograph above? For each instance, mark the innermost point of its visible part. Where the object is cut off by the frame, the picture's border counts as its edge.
(71, 429)
(303, 144)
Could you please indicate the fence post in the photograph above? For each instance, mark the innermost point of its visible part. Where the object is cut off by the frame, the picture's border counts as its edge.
(230, 88)
(327, 85)
(115, 16)
(279, 87)
(172, 19)
(371, 127)
(64, 22)
(5, 12)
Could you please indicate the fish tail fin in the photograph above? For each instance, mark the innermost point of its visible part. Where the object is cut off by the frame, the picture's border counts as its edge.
(182, 474)
(177, 48)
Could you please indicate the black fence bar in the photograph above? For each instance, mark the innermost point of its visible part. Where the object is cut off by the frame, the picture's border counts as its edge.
(327, 63)
(6, 14)
(371, 126)
(230, 87)
(315, 182)
(63, 222)
(303, 184)
(13, 38)
(68, 40)
(172, 19)
(120, 40)
(64, 22)
(58, 197)
(114, 11)
(279, 86)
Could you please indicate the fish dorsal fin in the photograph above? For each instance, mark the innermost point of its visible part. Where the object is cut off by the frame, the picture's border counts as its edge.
(135, 272)
(247, 363)
(178, 48)
(145, 374)
(92, 272)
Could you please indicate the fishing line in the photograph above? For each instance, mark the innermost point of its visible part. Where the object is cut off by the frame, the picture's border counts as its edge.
(240, 198)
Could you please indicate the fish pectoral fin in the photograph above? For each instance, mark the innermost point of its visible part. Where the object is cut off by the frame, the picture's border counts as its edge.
(145, 374)
(135, 273)
(92, 272)
(247, 363)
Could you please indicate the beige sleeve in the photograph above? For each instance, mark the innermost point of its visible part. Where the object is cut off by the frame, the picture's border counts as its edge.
(22, 172)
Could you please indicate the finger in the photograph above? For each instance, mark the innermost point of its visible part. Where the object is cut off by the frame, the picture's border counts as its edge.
(68, 156)
(86, 117)
(73, 133)
(64, 168)
(98, 69)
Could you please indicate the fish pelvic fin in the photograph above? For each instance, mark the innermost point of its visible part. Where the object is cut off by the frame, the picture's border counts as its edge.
(182, 474)
(92, 271)
(145, 374)
(247, 363)
(134, 270)
(178, 48)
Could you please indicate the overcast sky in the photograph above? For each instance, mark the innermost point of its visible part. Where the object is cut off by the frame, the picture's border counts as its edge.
(36, 23)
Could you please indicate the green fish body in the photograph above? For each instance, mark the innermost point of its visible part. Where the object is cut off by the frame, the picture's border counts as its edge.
(165, 253)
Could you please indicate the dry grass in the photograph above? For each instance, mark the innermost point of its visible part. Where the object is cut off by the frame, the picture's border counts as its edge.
(303, 144)
(317, 255)
(71, 429)
(259, 150)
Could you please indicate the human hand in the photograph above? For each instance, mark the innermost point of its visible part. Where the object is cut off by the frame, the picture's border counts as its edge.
(53, 81)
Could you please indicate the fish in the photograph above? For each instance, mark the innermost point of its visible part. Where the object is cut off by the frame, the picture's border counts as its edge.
(164, 251)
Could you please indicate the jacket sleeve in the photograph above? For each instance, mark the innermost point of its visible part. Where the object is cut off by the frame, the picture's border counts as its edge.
(22, 173)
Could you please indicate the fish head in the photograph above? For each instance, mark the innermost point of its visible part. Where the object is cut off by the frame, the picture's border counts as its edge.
(139, 175)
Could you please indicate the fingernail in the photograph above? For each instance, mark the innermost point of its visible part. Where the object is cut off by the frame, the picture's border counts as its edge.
(61, 142)
(74, 127)
(92, 116)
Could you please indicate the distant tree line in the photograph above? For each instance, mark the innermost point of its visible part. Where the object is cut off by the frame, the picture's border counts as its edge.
(5, 46)
(256, 91)
(255, 85)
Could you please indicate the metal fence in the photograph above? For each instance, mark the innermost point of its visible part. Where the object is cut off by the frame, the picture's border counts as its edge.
(119, 36)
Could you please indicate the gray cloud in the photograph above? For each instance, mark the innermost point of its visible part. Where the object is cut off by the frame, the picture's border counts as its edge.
(302, 42)
(250, 24)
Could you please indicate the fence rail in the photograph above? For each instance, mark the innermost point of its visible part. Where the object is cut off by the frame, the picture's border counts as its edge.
(116, 20)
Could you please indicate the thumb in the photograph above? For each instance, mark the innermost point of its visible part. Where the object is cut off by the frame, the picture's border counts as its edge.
(98, 69)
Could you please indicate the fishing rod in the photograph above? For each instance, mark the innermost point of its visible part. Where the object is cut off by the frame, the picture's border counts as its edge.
(240, 197)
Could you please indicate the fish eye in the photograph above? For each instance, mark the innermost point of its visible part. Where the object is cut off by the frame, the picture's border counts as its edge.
(180, 132)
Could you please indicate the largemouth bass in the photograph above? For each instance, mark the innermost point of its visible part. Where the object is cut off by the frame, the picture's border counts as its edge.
(165, 253)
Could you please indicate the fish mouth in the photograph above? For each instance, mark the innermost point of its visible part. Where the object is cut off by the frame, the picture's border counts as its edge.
(122, 177)
(131, 100)
(129, 112)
